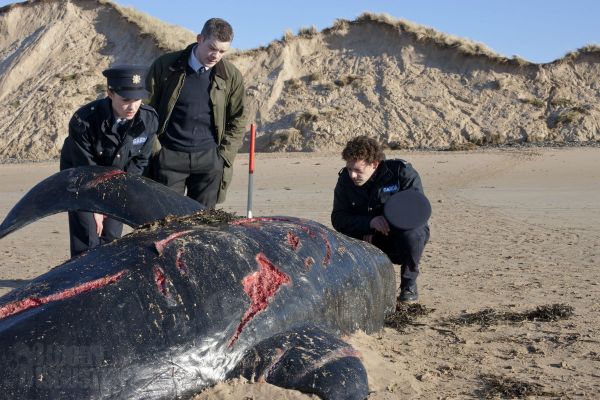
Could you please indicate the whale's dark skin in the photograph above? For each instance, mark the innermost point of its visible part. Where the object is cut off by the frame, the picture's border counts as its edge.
(98, 189)
(184, 302)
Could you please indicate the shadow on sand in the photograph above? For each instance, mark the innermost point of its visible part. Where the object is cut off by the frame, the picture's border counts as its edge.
(13, 283)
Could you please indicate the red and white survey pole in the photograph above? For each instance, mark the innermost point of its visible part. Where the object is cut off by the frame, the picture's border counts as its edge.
(251, 169)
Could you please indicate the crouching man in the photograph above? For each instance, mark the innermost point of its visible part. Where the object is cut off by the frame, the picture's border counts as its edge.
(362, 189)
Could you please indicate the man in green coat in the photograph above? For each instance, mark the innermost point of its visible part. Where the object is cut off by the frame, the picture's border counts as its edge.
(199, 98)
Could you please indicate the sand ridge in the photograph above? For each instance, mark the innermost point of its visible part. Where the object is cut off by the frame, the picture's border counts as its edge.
(406, 85)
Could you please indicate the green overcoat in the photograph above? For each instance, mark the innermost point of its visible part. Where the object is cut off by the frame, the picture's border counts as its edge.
(164, 82)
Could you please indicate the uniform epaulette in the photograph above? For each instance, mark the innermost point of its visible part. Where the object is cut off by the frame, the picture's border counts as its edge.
(149, 108)
(87, 110)
(404, 163)
(80, 121)
(400, 160)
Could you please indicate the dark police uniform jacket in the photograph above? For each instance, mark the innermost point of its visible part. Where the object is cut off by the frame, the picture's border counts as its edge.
(355, 206)
(91, 139)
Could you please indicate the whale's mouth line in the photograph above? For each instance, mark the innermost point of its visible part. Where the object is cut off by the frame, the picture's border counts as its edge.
(19, 306)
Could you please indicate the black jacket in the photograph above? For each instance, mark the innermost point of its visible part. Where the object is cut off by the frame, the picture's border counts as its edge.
(91, 139)
(355, 206)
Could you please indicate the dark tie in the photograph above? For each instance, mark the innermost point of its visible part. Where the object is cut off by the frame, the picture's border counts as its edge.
(202, 69)
(119, 126)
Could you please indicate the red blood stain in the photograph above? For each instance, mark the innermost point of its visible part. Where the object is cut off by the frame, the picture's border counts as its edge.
(161, 244)
(308, 263)
(313, 235)
(260, 287)
(104, 177)
(308, 231)
(293, 240)
(179, 263)
(31, 302)
(161, 281)
(327, 257)
(245, 221)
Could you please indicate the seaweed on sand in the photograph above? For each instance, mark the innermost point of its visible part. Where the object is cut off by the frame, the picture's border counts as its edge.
(489, 316)
(502, 387)
(406, 314)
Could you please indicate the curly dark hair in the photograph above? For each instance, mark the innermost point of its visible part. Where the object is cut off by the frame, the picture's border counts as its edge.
(219, 29)
(363, 148)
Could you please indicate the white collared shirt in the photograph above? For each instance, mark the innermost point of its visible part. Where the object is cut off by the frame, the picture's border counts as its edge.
(193, 62)
(118, 122)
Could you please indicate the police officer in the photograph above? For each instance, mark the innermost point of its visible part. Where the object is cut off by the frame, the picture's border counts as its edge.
(360, 194)
(117, 131)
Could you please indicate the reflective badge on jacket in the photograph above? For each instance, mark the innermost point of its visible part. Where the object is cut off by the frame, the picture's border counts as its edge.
(386, 192)
(139, 140)
(390, 189)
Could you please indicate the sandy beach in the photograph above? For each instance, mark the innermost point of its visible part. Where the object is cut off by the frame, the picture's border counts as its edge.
(511, 230)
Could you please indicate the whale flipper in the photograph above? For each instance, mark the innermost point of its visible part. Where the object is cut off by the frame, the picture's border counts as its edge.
(307, 359)
(128, 198)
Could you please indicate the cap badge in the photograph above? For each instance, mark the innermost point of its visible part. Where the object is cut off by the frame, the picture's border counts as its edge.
(136, 79)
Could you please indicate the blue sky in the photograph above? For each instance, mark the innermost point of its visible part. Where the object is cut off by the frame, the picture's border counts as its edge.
(537, 30)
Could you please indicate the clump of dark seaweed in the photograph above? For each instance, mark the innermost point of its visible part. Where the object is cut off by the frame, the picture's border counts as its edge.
(203, 217)
(212, 217)
(553, 312)
(501, 387)
(489, 316)
(406, 314)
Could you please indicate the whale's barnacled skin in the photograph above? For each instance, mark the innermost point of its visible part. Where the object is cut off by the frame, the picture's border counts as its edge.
(182, 303)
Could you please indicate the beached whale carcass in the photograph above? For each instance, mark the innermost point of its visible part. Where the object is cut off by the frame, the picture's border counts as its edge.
(189, 298)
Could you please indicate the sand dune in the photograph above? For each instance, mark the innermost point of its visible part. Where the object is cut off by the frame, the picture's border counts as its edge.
(407, 85)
